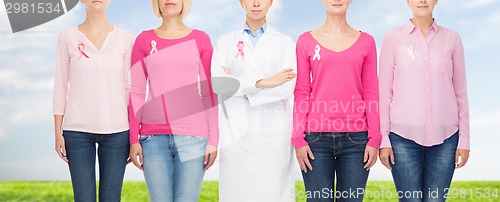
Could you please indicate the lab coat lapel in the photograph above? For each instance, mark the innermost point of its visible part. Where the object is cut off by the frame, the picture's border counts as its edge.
(270, 31)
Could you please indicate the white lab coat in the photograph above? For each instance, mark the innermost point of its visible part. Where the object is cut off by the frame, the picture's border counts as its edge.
(255, 124)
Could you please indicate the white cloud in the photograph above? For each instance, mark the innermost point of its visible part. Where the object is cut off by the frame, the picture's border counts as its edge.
(488, 120)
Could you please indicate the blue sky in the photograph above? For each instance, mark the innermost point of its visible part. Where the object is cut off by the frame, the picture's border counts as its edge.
(28, 62)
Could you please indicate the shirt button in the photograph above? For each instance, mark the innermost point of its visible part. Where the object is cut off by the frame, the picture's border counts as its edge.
(427, 90)
(429, 120)
(426, 58)
(428, 105)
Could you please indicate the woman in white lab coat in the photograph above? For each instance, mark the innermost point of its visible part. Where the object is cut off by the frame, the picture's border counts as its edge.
(253, 70)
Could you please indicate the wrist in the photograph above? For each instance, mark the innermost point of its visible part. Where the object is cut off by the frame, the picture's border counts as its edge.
(258, 83)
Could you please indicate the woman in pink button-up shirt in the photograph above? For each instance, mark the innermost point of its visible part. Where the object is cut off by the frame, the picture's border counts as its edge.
(424, 111)
(91, 96)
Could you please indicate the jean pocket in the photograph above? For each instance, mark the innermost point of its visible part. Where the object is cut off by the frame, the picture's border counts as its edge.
(358, 138)
(145, 138)
(312, 137)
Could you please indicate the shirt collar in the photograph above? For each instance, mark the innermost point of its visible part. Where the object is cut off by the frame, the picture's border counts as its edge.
(410, 27)
(261, 30)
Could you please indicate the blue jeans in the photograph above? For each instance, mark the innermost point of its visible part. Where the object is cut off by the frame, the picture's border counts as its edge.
(423, 173)
(112, 153)
(173, 166)
(336, 154)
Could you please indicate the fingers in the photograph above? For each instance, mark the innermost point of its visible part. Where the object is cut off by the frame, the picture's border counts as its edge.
(308, 164)
(205, 158)
(306, 159)
(387, 157)
(136, 162)
(365, 158)
(211, 160)
(461, 159)
(385, 162)
(226, 70)
(310, 154)
(370, 158)
(303, 155)
(61, 151)
(391, 154)
(137, 158)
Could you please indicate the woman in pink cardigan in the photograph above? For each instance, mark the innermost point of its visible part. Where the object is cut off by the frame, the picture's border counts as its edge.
(91, 96)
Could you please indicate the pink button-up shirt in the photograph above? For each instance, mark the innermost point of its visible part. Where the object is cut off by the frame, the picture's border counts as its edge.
(422, 86)
(91, 86)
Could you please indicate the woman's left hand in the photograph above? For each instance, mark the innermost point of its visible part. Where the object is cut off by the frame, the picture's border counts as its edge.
(370, 159)
(210, 155)
(461, 158)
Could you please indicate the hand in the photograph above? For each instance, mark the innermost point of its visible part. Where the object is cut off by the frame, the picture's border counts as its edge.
(281, 77)
(386, 155)
(303, 154)
(210, 155)
(370, 157)
(461, 158)
(61, 147)
(226, 70)
(136, 150)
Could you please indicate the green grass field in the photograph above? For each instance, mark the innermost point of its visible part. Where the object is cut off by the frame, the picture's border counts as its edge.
(376, 191)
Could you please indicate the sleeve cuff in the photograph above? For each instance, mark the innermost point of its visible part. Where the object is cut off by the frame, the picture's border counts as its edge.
(463, 143)
(386, 142)
(299, 141)
(248, 86)
(374, 142)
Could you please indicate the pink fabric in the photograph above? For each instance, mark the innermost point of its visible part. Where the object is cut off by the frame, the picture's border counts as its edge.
(423, 89)
(91, 86)
(336, 91)
(176, 102)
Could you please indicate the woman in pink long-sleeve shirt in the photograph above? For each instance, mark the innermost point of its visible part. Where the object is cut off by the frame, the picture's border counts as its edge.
(423, 105)
(336, 119)
(91, 96)
(173, 110)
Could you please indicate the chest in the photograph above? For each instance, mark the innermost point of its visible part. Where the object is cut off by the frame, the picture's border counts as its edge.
(264, 59)
(336, 42)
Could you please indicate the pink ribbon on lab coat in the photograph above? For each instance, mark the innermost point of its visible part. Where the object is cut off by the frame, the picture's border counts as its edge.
(240, 46)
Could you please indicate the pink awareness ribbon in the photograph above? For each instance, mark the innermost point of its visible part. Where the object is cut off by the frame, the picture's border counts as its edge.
(81, 48)
(240, 46)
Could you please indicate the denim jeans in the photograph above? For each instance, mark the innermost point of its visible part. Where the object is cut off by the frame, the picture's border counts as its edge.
(340, 155)
(423, 173)
(112, 153)
(173, 166)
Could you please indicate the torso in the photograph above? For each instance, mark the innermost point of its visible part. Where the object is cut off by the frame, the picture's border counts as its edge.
(336, 42)
(96, 38)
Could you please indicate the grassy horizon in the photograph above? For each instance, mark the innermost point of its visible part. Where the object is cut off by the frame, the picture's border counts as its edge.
(137, 191)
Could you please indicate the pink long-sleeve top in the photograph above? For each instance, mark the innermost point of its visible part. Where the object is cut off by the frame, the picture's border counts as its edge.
(91, 86)
(423, 89)
(171, 92)
(336, 91)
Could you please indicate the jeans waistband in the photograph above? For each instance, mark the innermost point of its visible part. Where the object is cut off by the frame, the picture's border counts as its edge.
(336, 134)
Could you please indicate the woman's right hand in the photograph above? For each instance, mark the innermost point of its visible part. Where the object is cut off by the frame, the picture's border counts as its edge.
(386, 155)
(303, 155)
(281, 77)
(61, 147)
(136, 150)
